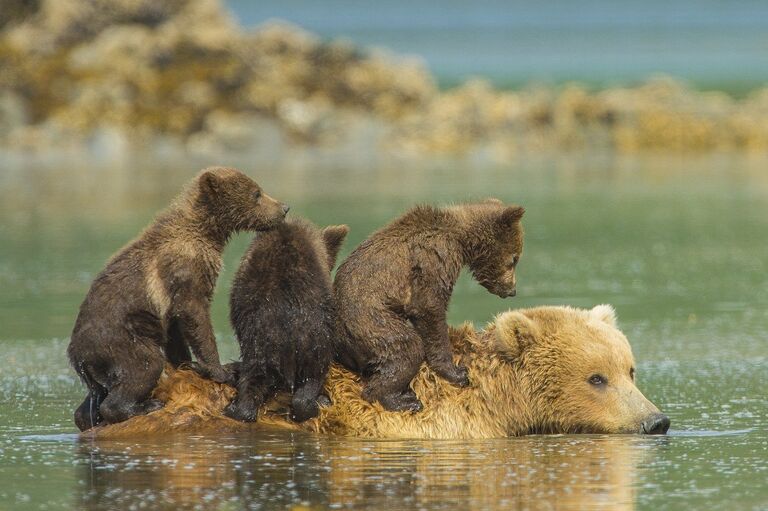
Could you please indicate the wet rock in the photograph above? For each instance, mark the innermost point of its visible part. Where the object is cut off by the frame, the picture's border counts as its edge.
(62, 23)
(16, 11)
(225, 132)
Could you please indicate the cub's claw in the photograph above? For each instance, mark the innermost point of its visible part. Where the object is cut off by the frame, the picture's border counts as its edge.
(151, 405)
(323, 401)
(405, 402)
(463, 376)
(457, 375)
(220, 374)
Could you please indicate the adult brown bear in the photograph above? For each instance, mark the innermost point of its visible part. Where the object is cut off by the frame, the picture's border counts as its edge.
(541, 370)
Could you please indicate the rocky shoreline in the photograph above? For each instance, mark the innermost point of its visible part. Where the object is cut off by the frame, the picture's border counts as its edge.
(120, 75)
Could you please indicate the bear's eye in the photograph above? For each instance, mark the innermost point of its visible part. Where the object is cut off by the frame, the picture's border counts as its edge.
(597, 379)
(632, 373)
(257, 194)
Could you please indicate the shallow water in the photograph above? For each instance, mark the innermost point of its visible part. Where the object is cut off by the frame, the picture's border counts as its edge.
(677, 245)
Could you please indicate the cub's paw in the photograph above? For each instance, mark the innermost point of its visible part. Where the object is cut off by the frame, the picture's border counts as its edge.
(305, 404)
(234, 368)
(323, 401)
(218, 373)
(223, 374)
(458, 375)
(304, 411)
(405, 402)
(149, 406)
(87, 420)
(241, 413)
(410, 406)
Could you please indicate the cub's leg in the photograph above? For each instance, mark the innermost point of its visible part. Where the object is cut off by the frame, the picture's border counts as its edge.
(193, 323)
(87, 414)
(433, 329)
(399, 354)
(131, 395)
(304, 402)
(176, 350)
(252, 389)
(312, 365)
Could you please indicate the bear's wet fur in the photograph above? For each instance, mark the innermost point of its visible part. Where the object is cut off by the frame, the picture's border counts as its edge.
(530, 370)
(281, 309)
(150, 304)
(392, 292)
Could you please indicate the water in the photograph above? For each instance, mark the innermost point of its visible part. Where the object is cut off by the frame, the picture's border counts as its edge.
(678, 245)
(712, 43)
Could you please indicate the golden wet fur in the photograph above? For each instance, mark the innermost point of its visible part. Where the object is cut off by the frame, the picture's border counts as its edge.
(529, 371)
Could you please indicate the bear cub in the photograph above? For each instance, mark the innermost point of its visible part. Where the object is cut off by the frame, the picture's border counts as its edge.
(281, 309)
(392, 292)
(150, 304)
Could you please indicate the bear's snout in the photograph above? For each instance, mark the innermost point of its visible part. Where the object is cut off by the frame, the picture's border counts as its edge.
(656, 424)
(499, 289)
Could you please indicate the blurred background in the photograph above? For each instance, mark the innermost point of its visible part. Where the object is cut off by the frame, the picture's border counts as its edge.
(710, 44)
(634, 133)
(405, 79)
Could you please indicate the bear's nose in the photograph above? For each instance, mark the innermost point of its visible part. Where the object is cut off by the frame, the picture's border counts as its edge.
(657, 424)
(512, 293)
(286, 208)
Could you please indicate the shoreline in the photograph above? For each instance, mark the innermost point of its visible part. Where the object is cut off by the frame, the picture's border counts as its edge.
(185, 79)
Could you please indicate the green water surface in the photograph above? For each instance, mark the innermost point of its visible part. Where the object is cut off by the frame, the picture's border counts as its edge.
(678, 245)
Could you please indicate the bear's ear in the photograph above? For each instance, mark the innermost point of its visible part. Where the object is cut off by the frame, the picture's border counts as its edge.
(513, 333)
(493, 200)
(333, 237)
(604, 313)
(209, 183)
(511, 215)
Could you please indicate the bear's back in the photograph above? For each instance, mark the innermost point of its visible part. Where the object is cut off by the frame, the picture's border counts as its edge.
(283, 274)
(385, 257)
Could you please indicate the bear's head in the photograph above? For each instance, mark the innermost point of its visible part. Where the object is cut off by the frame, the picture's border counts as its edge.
(494, 244)
(575, 371)
(234, 202)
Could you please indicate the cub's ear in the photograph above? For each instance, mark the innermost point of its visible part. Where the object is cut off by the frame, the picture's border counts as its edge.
(513, 332)
(493, 200)
(604, 313)
(333, 237)
(511, 215)
(209, 182)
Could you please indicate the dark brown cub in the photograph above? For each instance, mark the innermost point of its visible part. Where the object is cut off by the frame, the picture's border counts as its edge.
(150, 304)
(392, 292)
(281, 308)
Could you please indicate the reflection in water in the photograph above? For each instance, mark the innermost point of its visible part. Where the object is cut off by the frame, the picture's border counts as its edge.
(541, 472)
(186, 473)
(295, 469)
